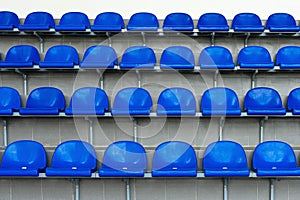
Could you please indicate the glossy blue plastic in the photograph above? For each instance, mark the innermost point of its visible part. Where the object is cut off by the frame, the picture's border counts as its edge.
(288, 57)
(8, 20)
(132, 101)
(281, 22)
(247, 22)
(174, 159)
(176, 101)
(10, 100)
(219, 101)
(143, 21)
(73, 158)
(44, 101)
(38, 21)
(138, 57)
(177, 57)
(178, 22)
(23, 158)
(216, 57)
(263, 101)
(108, 21)
(275, 158)
(212, 22)
(293, 102)
(255, 57)
(124, 159)
(73, 21)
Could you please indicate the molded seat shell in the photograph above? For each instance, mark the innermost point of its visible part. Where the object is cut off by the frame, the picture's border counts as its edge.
(8, 20)
(216, 57)
(178, 22)
(108, 21)
(212, 22)
(73, 21)
(293, 102)
(282, 22)
(143, 21)
(247, 22)
(255, 57)
(38, 21)
(10, 100)
(177, 57)
(288, 57)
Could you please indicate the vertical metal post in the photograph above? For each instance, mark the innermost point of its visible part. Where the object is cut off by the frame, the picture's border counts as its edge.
(41, 41)
(212, 41)
(261, 129)
(216, 78)
(109, 39)
(144, 38)
(4, 124)
(221, 126)
(25, 84)
(138, 77)
(225, 188)
(135, 130)
(101, 78)
(272, 189)
(246, 39)
(91, 131)
(127, 185)
(253, 79)
(77, 189)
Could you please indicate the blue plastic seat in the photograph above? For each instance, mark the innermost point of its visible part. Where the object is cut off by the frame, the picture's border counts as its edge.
(288, 57)
(212, 22)
(37, 21)
(281, 22)
(60, 56)
(177, 57)
(21, 56)
(225, 158)
(88, 101)
(124, 159)
(8, 20)
(73, 21)
(293, 102)
(178, 22)
(220, 101)
(216, 57)
(10, 100)
(263, 101)
(174, 159)
(143, 21)
(255, 57)
(132, 101)
(108, 21)
(23, 158)
(73, 158)
(176, 101)
(44, 101)
(274, 158)
(99, 56)
(247, 22)
(138, 57)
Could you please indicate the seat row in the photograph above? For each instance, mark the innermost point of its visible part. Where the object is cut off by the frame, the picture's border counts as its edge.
(176, 57)
(143, 21)
(219, 101)
(128, 159)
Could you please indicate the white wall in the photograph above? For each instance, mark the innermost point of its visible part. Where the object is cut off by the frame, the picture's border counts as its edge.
(159, 7)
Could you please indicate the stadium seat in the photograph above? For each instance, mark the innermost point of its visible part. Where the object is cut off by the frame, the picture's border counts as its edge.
(177, 57)
(21, 56)
(38, 21)
(293, 102)
(10, 100)
(60, 56)
(288, 57)
(44, 101)
(8, 20)
(124, 159)
(274, 158)
(247, 22)
(263, 101)
(281, 22)
(132, 101)
(138, 57)
(225, 158)
(176, 101)
(143, 21)
(73, 21)
(216, 57)
(23, 158)
(178, 22)
(99, 56)
(212, 22)
(88, 101)
(174, 159)
(73, 158)
(255, 57)
(108, 21)
(220, 101)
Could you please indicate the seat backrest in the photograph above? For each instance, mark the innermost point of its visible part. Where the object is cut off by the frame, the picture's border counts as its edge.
(176, 98)
(23, 53)
(293, 101)
(215, 55)
(40, 18)
(106, 56)
(46, 97)
(62, 53)
(75, 19)
(24, 154)
(262, 98)
(212, 19)
(133, 98)
(272, 155)
(177, 55)
(109, 19)
(174, 155)
(9, 98)
(125, 155)
(288, 55)
(139, 55)
(8, 18)
(281, 20)
(74, 154)
(224, 154)
(219, 98)
(254, 55)
(89, 98)
(143, 21)
(246, 19)
(174, 20)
